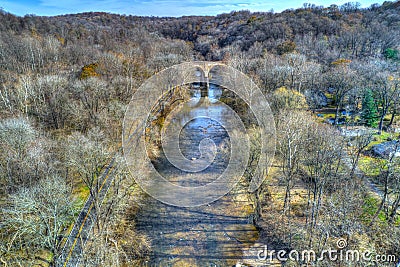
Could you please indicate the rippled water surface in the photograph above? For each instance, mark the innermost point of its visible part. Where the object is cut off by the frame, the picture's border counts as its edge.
(211, 235)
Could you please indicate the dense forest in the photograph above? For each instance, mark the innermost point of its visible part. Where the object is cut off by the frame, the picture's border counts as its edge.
(65, 82)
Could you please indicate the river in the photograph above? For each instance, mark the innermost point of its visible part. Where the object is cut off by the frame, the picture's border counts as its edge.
(216, 234)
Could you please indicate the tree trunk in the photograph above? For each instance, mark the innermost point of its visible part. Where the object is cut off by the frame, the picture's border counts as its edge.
(286, 202)
(395, 207)
(385, 194)
(384, 112)
(355, 162)
(258, 207)
(392, 118)
(336, 114)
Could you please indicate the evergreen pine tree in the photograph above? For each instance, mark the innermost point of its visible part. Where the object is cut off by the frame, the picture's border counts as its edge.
(369, 114)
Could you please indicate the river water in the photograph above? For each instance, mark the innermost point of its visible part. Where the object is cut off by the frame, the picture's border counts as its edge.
(217, 234)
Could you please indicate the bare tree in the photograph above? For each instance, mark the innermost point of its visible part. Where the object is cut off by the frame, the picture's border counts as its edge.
(287, 99)
(34, 220)
(292, 131)
(18, 142)
(390, 173)
(395, 192)
(50, 101)
(92, 93)
(117, 242)
(321, 160)
(295, 64)
(358, 145)
(87, 157)
(292, 128)
(387, 90)
(341, 79)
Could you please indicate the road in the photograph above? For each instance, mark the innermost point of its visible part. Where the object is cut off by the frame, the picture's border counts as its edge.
(72, 251)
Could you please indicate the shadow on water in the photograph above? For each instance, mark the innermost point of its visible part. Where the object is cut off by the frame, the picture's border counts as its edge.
(211, 235)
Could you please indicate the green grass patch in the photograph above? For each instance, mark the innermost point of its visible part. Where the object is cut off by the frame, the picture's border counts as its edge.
(397, 220)
(397, 223)
(325, 116)
(370, 165)
(329, 115)
(380, 138)
(387, 117)
(329, 95)
(43, 257)
(370, 207)
(81, 192)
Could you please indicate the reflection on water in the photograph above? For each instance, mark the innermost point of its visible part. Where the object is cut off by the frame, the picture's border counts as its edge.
(193, 122)
(211, 235)
(214, 93)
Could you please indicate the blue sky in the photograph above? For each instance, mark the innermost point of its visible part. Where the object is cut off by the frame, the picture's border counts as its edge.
(157, 7)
